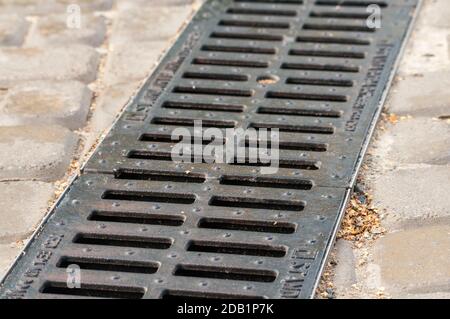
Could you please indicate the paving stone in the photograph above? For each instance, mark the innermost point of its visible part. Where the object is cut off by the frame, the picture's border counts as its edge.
(149, 23)
(61, 103)
(13, 29)
(427, 51)
(424, 94)
(420, 192)
(435, 13)
(25, 204)
(415, 260)
(35, 152)
(344, 273)
(132, 61)
(87, 5)
(54, 30)
(109, 105)
(44, 7)
(8, 254)
(416, 141)
(126, 4)
(74, 62)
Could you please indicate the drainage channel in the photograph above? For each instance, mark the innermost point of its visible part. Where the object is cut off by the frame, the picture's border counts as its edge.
(136, 224)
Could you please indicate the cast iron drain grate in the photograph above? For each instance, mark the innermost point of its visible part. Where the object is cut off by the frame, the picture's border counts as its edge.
(139, 225)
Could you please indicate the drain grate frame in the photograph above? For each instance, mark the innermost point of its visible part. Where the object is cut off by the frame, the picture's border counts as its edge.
(141, 226)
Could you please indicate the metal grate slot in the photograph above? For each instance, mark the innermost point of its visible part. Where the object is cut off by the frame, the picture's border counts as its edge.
(122, 241)
(320, 82)
(237, 63)
(215, 76)
(336, 27)
(285, 145)
(212, 91)
(248, 225)
(262, 12)
(173, 139)
(137, 218)
(340, 15)
(299, 112)
(332, 54)
(151, 197)
(266, 182)
(259, 203)
(191, 122)
(137, 267)
(177, 177)
(350, 3)
(236, 248)
(254, 24)
(98, 291)
(320, 67)
(200, 295)
(282, 163)
(246, 36)
(333, 40)
(225, 273)
(167, 156)
(238, 49)
(305, 96)
(149, 155)
(295, 128)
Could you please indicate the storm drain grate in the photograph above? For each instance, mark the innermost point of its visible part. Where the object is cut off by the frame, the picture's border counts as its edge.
(139, 225)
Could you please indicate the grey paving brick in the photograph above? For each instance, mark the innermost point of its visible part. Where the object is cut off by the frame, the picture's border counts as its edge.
(420, 192)
(35, 152)
(54, 30)
(126, 4)
(74, 62)
(109, 104)
(132, 61)
(8, 253)
(44, 102)
(13, 29)
(415, 141)
(415, 260)
(427, 51)
(44, 7)
(424, 94)
(344, 273)
(149, 23)
(24, 205)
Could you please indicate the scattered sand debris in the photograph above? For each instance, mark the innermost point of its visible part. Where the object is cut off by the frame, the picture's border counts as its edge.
(362, 220)
(326, 289)
(394, 118)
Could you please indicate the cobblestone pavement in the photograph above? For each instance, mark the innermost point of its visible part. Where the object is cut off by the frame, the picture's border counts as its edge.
(407, 174)
(64, 79)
